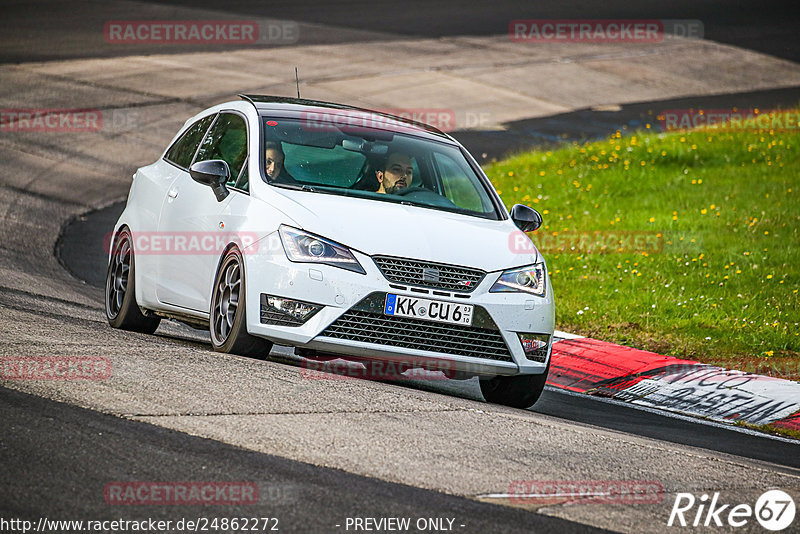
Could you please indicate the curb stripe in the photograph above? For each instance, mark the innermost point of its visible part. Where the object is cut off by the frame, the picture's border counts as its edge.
(586, 365)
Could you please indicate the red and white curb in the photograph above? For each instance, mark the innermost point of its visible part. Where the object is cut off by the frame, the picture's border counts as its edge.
(586, 365)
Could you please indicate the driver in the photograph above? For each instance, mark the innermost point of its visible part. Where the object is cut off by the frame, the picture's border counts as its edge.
(396, 174)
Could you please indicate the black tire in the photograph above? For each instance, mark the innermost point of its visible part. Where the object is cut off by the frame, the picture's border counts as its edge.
(227, 317)
(122, 310)
(521, 391)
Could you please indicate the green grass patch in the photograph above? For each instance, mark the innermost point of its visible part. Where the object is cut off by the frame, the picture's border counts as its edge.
(771, 429)
(683, 243)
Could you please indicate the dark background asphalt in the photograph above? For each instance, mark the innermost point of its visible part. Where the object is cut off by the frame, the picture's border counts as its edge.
(55, 460)
(35, 30)
(768, 26)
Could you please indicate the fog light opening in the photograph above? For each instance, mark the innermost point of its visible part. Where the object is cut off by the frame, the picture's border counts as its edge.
(535, 346)
(298, 309)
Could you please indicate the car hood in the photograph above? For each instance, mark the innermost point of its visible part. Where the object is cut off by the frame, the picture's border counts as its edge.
(385, 228)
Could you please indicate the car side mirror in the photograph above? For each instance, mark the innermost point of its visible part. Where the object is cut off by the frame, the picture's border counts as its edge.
(213, 173)
(526, 218)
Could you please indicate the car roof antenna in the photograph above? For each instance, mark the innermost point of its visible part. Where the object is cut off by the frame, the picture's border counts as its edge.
(297, 81)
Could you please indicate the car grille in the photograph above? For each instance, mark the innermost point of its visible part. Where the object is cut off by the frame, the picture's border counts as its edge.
(427, 274)
(372, 327)
(272, 316)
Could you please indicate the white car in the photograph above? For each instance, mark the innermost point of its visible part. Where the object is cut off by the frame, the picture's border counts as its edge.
(339, 231)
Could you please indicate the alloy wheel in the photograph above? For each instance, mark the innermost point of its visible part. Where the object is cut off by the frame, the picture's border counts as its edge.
(117, 281)
(226, 300)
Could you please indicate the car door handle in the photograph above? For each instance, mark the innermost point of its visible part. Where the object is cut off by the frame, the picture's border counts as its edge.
(173, 193)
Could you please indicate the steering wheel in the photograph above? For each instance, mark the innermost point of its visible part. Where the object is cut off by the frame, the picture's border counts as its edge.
(411, 190)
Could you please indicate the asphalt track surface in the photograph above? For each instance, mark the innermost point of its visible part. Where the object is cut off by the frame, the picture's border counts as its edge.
(55, 458)
(64, 456)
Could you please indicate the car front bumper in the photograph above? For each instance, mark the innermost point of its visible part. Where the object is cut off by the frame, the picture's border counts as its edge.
(351, 321)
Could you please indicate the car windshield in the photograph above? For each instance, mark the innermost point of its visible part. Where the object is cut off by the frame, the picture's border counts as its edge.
(371, 163)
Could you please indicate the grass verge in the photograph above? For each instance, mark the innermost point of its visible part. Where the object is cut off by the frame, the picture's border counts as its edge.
(771, 429)
(682, 243)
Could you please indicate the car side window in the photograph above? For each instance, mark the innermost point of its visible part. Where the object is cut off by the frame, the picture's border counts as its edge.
(457, 184)
(226, 140)
(243, 182)
(182, 151)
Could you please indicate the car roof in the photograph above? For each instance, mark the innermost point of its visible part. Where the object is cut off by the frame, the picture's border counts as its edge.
(288, 107)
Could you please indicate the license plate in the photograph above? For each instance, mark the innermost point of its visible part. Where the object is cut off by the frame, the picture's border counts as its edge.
(429, 310)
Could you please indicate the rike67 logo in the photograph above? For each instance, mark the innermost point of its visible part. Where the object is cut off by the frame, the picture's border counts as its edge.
(774, 510)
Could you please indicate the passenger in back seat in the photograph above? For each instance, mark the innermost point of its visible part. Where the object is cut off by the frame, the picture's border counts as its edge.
(273, 164)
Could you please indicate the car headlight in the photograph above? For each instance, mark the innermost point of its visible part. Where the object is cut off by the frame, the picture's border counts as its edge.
(530, 279)
(302, 247)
